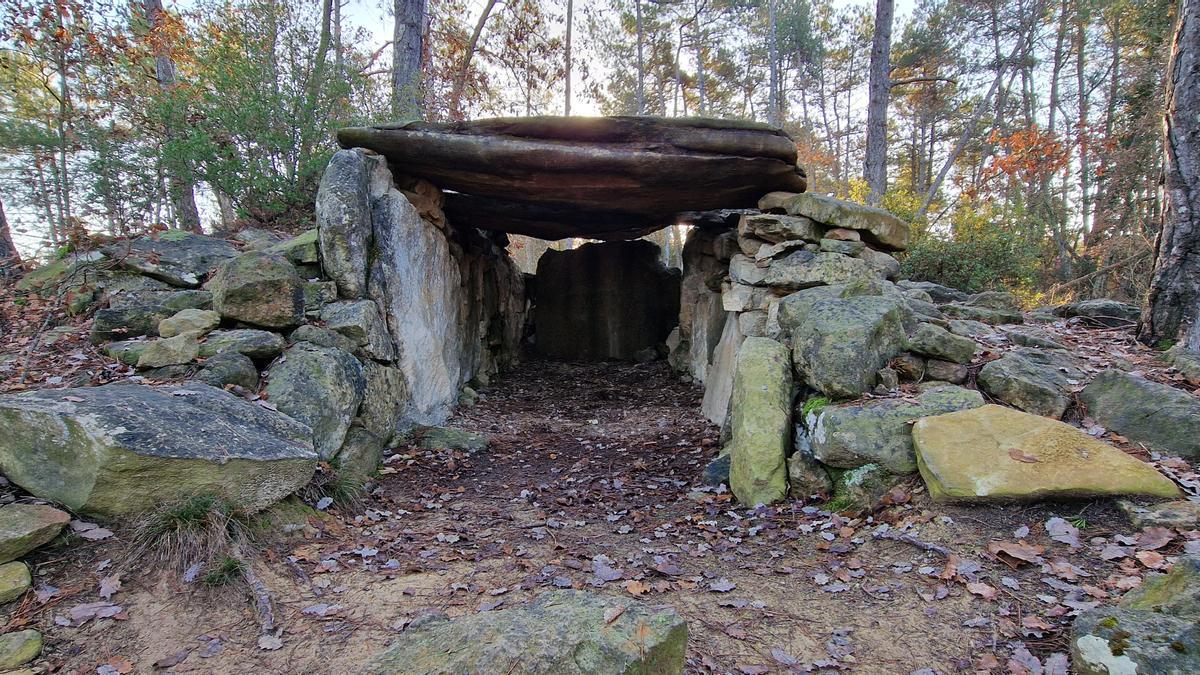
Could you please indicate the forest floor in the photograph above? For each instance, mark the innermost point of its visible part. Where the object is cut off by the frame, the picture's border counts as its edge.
(592, 481)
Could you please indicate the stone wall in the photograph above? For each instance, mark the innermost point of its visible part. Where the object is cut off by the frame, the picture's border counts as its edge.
(612, 300)
(452, 300)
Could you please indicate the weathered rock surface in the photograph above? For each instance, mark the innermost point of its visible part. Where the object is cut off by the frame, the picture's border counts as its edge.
(383, 399)
(1039, 382)
(24, 527)
(1031, 337)
(997, 453)
(939, 343)
(178, 350)
(1159, 415)
(946, 371)
(1102, 312)
(127, 448)
(322, 336)
(876, 226)
(1181, 513)
(359, 320)
(1155, 629)
(599, 177)
(229, 367)
(760, 422)
(718, 385)
(1186, 361)
(343, 207)
(701, 314)
(14, 581)
(126, 322)
(861, 488)
(937, 292)
(777, 228)
(604, 301)
(804, 269)
(187, 320)
(880, 432)
(19, 647)
(883, 264)
(176, 257)
(449, 438)
(321, 387)
(988, 315)
(259, 289)
(561, 632)
(303, 249)
(257, 344)
(841, 345)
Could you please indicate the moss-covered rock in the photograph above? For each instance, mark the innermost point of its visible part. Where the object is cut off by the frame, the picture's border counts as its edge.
(449, 438)
(127, 321)
(860, 488)
(24, 527)
(939, 343)
(229, 368)
(561, 632)
(120, 449)
(875, 225)
(176, 257)
(880, 432)
(843, 343)
(301, 249)
(1176, 593)
(14, 580)
(19, 647)
(1102, 312)
(173, 351)
(1036, 381)
(187, 320)
(1158, 415)
(259, 289)
(321, 387)
(257, 344)
(760, 422)
(997, 453)
(1111, 640)
(383, 399)
(995, 317)
(361, 323)
(804, 269)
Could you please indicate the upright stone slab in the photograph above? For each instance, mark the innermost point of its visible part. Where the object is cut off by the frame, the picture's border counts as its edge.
(344, 221)
(718, 385)
(604, 301)
(760, 422)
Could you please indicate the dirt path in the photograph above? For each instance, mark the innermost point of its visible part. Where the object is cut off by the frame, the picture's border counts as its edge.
(591, 482)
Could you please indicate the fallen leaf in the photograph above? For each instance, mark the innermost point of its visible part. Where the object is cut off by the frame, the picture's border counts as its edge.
(109, 586)
(1016, 454)
(982, 590)
(269, 643)
(636, 588)
(1014, 555)
(1152, 538)
(722, 585)
(1151, 559)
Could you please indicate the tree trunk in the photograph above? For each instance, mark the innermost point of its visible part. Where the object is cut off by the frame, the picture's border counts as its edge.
(1081, 20)
(774, 105)
(460, 79)
(641, 64)
(183, 190)
(875, 164)
(408, 46)
(1175, 286)
(567, 64)
(10, 259)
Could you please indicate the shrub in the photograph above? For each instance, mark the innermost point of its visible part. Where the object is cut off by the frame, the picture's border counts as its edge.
(984, 259)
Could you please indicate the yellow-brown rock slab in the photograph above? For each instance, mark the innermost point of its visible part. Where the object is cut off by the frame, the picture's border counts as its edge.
(998, 453)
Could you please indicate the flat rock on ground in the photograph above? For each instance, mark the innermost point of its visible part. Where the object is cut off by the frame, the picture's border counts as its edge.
(561, 632)
(24, 527)
(993, 452)
(124, 448)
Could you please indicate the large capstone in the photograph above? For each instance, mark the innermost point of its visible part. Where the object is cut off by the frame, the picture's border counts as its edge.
(595, 177)
(560, 632)
(604, 301)
(122, 448)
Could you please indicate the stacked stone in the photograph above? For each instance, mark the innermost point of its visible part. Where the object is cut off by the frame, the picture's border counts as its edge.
(373, 322)
(816, 334)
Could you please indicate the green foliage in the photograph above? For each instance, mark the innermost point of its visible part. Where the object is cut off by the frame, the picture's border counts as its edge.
(978, 256)
(226, 571)
(814, 404)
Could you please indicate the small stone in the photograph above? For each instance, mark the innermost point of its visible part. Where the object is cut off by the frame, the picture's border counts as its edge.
(257, 344)
(1182, 514)
(449, 438)
(24, 527)
(945, 371)
(14, 581)
(19, 648)
(174, 351)
(939, 343)
(910, 366)
(188, 320)
(716, 472)
(229, 368)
